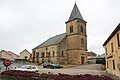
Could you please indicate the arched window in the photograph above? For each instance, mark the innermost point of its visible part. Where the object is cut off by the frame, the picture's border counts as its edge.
(71, 29)
(81, 28)
(82, 42)
(78, 27)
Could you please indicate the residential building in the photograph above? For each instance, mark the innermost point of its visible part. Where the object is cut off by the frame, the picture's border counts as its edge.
(8, 55)
(24, 55)
(91, 54)
(13, 56)
(112, 51)
(69, 47)
(91, 57)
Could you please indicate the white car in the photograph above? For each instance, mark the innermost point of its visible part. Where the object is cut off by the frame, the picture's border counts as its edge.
(32, 68)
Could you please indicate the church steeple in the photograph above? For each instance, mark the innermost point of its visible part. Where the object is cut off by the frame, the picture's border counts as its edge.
(75, 14)
(76, 38)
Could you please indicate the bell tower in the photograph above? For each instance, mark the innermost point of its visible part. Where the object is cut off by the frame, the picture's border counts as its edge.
(76, 38)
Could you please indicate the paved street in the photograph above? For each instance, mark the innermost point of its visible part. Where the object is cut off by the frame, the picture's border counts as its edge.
(94, 69)
(83, 69)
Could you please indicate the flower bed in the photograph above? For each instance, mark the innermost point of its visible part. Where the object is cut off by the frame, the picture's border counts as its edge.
(20, 75)
(26, 75)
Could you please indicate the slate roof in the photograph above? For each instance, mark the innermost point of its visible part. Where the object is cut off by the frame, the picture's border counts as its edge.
(52, 41)
(112, 34)
(75, 13)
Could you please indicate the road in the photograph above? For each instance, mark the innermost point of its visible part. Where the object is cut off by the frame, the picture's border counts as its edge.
(94, 69)
(83, 69)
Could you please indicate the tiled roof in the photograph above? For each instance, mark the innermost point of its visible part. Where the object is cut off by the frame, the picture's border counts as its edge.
(52, 41)
(91, 54)
(13, 53)
(113, 33)
(7, 52)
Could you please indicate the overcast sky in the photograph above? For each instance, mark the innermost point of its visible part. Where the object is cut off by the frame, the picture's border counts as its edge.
(24, 24)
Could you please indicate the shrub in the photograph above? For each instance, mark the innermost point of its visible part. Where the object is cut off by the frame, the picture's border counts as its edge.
(27, 75)
(20, 73)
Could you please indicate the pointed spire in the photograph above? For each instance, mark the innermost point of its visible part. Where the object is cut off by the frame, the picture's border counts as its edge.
(75, 13)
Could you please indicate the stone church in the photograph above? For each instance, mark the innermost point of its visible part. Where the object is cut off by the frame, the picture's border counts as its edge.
(66, 48)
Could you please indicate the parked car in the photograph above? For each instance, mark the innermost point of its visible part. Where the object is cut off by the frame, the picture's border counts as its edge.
(28, 68)
(46, 64)
(55, 66)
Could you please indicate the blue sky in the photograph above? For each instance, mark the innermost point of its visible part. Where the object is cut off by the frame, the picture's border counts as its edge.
(24, 24)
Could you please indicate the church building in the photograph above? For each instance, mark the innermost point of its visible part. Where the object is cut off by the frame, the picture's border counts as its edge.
(66, 48)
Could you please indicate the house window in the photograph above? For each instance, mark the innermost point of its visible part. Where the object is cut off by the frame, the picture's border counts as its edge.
(82, 42)
(118, 40)
(25, 57)
(71, 29)
(112, 47)
(113, 64)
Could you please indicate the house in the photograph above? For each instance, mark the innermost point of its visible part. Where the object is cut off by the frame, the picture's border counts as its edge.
(8, 55)
(91, 54)
(91, 57)
(112, 52)
(13, 56)
(69, 47)
(24, 55)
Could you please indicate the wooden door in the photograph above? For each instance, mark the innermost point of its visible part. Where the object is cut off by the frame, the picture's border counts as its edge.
(82, 60)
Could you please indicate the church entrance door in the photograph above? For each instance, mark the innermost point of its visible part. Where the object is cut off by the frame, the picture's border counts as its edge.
(82, 60)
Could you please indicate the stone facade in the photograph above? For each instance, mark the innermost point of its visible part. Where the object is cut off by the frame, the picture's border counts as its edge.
(112, 48)
(69, 47)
